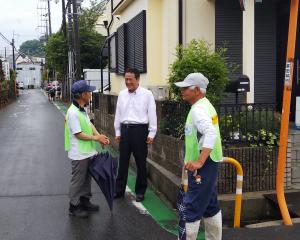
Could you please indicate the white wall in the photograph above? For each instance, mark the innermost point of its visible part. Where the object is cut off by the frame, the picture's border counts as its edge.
(249, 46)
(5, 68)
(199, 20)
(29, 77)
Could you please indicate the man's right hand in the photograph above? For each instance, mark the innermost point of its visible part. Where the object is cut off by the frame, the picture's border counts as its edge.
(101, 139)
(117, 139)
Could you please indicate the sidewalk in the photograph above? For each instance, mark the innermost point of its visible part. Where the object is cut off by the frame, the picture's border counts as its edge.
(276, 233)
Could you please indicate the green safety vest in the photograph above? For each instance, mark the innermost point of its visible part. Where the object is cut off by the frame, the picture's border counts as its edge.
(85, 125)
(192, 150)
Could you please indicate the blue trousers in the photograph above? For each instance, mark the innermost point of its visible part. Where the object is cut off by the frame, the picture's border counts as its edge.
(201, 198)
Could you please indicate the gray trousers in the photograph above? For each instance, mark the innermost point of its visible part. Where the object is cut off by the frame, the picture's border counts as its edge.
(80, 185)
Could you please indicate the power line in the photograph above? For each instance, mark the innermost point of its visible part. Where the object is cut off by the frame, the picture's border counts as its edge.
(5, 38)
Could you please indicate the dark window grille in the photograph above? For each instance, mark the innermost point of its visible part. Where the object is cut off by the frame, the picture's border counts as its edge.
(131, 44)
(120, 68)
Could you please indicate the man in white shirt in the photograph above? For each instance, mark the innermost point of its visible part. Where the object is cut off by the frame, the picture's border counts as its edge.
(135, 127)
(203, 151)
(80, 135)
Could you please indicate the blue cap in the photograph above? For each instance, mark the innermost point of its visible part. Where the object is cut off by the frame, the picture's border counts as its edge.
(81, 86)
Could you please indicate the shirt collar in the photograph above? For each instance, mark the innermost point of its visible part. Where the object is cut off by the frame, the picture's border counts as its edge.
(76, 104)
(136, 90)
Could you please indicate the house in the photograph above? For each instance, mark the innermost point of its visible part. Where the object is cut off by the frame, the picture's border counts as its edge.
(5, 68)
(145, 33)
(30, 74)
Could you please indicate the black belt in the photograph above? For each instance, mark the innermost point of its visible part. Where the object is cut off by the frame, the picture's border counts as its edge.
(132, 125)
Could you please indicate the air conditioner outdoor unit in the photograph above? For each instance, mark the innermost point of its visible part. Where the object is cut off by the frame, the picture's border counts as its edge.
(159, 92)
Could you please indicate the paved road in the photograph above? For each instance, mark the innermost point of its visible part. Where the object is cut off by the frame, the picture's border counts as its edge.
(34, 177)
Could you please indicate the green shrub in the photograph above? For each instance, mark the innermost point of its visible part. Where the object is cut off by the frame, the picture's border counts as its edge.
(198, 56)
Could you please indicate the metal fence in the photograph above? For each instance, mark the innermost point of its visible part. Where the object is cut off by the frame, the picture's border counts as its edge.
(249, 123)
(239, 123)
(259, 162)
(259, 166)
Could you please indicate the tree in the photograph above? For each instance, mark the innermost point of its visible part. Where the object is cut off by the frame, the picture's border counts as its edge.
(2, 77)
(33, 48)
(56, 52)
(198, 56)
(90, 42)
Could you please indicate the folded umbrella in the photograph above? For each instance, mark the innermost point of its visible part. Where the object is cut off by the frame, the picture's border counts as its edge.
(103, 168)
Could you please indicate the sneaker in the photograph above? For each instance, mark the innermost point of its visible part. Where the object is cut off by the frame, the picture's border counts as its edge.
(77, 211)
(86, 205)
(139, 198)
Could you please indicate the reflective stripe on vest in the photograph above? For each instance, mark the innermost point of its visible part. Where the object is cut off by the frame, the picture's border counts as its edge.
(192, 149)
(83, 145)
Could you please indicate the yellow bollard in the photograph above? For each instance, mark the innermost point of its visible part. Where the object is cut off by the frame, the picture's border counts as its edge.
(239, 190)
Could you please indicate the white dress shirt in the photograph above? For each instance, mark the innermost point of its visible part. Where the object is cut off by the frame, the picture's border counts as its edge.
(203, 122)
(137, 107)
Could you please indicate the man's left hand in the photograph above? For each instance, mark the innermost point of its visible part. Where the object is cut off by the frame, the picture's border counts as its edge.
(192, 166)
(149, 140)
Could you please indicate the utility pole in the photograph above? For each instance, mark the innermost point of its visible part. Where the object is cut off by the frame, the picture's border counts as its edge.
(70, 51)
(285, 116)
(49, 16)
(64, 24)
(65, 72)
(76, 41)
(47, 35)
(13, 52)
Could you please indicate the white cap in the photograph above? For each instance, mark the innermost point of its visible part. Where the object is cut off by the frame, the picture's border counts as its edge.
(194, 79)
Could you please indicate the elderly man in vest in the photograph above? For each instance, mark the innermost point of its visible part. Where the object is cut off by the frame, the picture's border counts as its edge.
(203, 151)
(80, 138)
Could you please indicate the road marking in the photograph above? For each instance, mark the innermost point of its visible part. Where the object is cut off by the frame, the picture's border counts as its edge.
(59, 108)
(138, 205)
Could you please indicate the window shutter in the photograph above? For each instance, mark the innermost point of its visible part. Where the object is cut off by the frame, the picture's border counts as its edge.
(131, 44)
(121, 49)
(140, 42)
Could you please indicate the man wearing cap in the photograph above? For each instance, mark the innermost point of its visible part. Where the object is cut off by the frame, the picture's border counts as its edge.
(80, 135)
(203, 151)
(135, 126)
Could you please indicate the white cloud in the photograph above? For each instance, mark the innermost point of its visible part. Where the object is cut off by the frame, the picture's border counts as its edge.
(21, 17)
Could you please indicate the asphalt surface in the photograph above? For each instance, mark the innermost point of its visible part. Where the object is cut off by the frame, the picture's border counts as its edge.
(274, 233)
(34, 179)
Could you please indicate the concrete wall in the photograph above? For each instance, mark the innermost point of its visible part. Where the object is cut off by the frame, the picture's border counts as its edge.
(292, 178)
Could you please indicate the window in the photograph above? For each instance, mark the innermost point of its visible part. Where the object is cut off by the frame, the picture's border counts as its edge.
(31, 68)
(131, 44)
(19, 68)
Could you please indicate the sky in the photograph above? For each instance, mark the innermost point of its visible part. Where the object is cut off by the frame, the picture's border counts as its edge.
(21, 18)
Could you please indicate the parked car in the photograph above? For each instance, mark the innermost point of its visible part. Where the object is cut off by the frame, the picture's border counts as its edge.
(20, 85)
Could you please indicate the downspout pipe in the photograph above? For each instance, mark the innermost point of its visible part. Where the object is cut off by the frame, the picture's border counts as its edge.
(180, 22)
